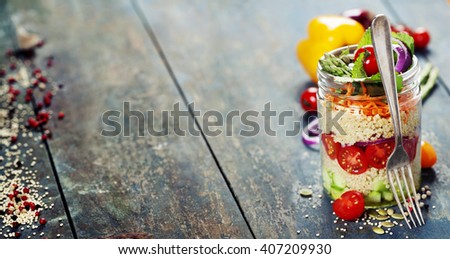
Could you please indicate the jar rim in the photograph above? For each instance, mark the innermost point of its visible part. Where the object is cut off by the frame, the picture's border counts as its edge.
(407, 76)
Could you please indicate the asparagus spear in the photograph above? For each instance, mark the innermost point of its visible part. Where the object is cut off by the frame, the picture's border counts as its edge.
(425, 73)
(430, 82)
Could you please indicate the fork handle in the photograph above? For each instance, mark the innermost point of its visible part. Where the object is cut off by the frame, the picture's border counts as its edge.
(382, 43)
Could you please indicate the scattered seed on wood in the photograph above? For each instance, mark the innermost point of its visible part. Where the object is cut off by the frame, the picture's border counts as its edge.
(381, 217)
(305, 192)
(387, 224)
(390, 212)
(381, 212)
(397, 216)
(378, 230)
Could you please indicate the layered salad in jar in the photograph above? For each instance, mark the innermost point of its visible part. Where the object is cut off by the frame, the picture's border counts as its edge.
(357, 135)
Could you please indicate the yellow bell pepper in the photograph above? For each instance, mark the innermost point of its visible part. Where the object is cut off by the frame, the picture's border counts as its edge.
(325, 33)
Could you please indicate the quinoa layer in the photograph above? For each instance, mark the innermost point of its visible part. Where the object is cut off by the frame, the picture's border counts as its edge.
(353, 126)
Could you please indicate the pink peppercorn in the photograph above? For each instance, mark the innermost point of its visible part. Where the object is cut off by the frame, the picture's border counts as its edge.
(61, 115)
(47, 100)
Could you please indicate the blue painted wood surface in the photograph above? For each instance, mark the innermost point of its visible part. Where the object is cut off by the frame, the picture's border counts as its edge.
(222, 56)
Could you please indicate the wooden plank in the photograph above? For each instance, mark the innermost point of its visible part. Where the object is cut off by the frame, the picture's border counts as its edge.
(237, 55)
(154, 187)
(25, 162)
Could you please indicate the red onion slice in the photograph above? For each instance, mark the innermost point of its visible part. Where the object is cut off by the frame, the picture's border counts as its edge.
(404, 59)
(310, 134)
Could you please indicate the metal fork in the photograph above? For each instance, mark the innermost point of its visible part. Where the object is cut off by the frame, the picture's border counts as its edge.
(398, 165)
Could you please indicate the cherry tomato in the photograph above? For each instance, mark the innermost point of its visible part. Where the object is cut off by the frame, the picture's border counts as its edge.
(308, 99)
(369, 61)
(332, 148)
(377, 154)
(349, 206)
(428, 158)
(368, 48)
(410, 145)
(370, 66)
(402, 28)
(352, 160)
(421, 38)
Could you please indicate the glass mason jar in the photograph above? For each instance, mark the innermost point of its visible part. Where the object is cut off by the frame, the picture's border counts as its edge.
(357, 133)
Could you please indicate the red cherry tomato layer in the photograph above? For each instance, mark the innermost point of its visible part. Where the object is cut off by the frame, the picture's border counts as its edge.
(410, 145)
(349, 206)
(352, 160)
(308, 99)
(332, 148)
(377, 154)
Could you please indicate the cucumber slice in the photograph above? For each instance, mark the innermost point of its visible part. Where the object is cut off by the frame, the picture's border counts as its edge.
(336, 193)
(379, 185)
(374, 197)
(387, 196)
(327, 181)
(339, 182)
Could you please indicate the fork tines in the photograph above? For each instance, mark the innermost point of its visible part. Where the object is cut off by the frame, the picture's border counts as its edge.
(397, 179)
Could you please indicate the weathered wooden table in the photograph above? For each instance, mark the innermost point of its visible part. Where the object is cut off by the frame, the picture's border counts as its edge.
(221, 56)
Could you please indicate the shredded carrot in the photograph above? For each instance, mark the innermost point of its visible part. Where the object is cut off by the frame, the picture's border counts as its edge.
(364, 88)
(371, 107)
(349, 87)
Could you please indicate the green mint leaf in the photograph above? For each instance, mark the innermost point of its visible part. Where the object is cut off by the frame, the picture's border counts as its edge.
(376, 77)
(406, 39)
(366, 39)
(358, 69)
